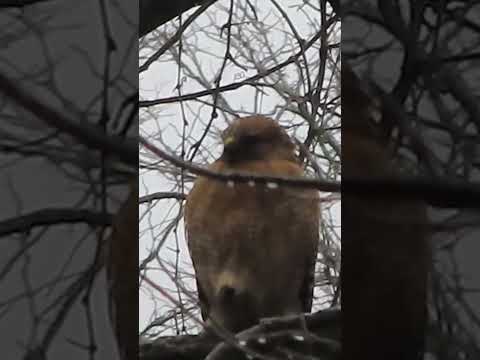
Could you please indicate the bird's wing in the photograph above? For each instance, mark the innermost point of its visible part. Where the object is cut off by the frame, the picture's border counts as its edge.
(199, 245)
(306, 291)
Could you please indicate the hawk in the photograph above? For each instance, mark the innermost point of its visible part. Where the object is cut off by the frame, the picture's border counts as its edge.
(385, 252)
(253, 246)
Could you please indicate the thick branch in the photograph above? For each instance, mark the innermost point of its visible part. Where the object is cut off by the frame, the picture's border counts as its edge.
(313, 334)
(161, 196)
(269, 181)
(46, 217)
(154, 13)
(437, 192)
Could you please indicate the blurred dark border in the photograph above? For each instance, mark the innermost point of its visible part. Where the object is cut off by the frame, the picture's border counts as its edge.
(69, 160)
(418, 64)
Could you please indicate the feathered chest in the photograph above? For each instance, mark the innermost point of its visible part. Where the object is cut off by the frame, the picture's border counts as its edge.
(247, 218)
(242, 209)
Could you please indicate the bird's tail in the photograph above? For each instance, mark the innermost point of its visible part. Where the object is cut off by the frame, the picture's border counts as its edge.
(229, 287)
(227, 294)
(237, 304)
(233, 291)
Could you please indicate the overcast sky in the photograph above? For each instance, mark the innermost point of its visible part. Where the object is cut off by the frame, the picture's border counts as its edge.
(160, 81)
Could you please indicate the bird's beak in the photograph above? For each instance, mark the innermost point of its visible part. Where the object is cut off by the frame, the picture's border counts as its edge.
(228, 141)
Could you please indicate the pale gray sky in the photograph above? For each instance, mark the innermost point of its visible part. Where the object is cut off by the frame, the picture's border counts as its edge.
(160, 81)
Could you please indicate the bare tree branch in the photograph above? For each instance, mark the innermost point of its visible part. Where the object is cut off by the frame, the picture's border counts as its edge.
(154, 13)
(48, 217)
(315, 336)
(86, 133)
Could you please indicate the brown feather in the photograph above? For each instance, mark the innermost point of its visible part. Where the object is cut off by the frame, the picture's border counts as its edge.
(257, 240)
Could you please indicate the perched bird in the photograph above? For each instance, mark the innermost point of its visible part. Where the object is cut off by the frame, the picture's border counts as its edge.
(385, 252)
(253, 246)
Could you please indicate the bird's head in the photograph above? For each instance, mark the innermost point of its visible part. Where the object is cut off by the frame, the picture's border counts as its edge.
(256, 138)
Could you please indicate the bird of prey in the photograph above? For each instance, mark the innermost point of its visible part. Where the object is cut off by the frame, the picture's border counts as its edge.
(253, 245)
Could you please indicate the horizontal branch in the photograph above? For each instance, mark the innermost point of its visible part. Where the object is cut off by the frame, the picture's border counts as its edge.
(322, 185)
(234, 86)
(436, 192)
(317, 334)
(19, 3)
(86, 133)
(48, 217)
(183, 347)
(161, 196)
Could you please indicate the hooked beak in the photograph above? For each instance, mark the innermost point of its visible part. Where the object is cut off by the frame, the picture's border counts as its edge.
(228, 141)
